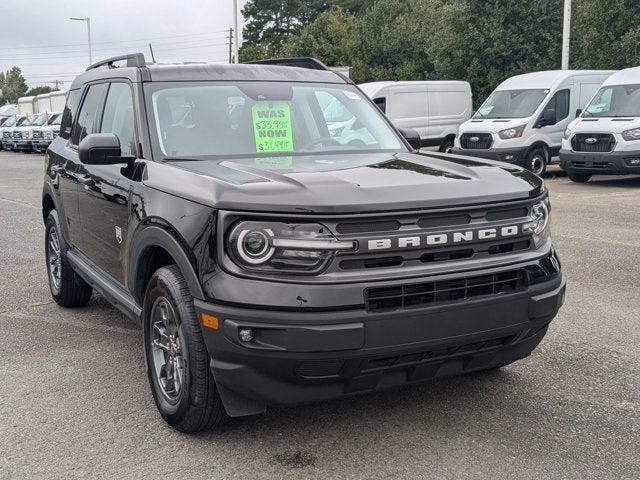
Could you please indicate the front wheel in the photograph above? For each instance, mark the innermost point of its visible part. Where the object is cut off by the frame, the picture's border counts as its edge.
(579, 177)
(537, 160)
(446, 146)
(177, 360)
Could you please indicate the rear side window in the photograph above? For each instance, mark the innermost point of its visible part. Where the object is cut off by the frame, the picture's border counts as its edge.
(118, 117)
(381, 102)
(69, 113)
(87, 117)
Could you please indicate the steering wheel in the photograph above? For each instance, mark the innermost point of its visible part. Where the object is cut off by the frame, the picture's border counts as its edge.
(319, 141)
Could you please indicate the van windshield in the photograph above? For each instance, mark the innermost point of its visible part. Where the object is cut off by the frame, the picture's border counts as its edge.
(247, 119)
(39, 120)
(615, 101)
(10, 122)
(511, 103)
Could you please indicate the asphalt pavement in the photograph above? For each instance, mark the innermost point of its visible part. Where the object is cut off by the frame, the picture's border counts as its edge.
(75, 402)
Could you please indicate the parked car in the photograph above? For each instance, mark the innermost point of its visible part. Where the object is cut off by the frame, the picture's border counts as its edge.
(270, 263)
(42, 136)
(435, 109)
(6, 130)
(8, 110)
(523, 120)
(605, 139)
(22, 134)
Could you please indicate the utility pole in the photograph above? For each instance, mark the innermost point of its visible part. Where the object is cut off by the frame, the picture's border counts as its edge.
(566, 34)
(231, 59)
(88, 21)
(153, 59)
(236, 43)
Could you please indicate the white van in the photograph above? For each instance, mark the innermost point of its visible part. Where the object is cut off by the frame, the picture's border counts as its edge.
(605, 139)
(523, 120)
(27, 105)
(43, 103)
(57, 99)
(435, 109)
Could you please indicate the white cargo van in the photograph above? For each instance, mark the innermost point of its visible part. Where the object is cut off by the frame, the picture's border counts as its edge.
(57, 99)
(605, 139)
(435, 109)
(523, 120)
(43, 103)
(27, 105)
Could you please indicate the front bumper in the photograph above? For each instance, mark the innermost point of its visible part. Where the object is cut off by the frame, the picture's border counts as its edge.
(21, 145)
(516, 155)
(40, 145)
(609, 163)
(305, 356)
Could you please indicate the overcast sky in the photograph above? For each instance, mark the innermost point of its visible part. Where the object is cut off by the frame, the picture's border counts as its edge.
(38, 36)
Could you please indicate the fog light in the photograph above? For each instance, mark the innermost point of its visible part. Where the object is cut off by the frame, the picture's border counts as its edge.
(633, 161)
(245, 334)
(508, 158)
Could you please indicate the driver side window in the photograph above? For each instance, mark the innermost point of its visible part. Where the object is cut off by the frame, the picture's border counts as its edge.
(118, 117)
(558, 106)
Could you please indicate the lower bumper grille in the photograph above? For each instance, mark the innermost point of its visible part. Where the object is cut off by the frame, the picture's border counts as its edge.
(444, 291)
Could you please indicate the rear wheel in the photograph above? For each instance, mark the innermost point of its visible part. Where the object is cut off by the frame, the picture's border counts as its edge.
(177, 360)
(579, 177)
(67, 288)
(537, 160)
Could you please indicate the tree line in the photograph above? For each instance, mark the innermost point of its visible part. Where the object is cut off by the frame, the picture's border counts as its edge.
(13, 86)
(481, 41)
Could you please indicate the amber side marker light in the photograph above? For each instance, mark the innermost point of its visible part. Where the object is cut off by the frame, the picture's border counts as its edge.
(210, 321)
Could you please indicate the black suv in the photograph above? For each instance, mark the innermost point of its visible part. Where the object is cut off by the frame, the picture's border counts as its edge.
(281, 242)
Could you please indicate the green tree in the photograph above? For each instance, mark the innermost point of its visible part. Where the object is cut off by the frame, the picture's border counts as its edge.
(38, 91)
(14, 85)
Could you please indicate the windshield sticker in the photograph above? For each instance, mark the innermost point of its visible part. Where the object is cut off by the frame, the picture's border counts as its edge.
(272, 127)
(274, 162)
(485, 110)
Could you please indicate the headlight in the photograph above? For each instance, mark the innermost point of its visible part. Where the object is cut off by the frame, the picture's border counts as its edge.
(515, 132)
(47, 134)
(567, 134)
(27, 134)
(539, 225)
(283, 247)
(630, 135)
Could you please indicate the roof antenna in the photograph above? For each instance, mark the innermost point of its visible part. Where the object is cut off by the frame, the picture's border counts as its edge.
(153, 59)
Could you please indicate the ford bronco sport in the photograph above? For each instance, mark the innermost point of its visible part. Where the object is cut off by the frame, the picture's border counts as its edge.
(271, 261)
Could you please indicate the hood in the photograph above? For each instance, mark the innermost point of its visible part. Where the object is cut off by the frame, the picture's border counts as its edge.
(492, 125)
(400, 181)
(604, 124)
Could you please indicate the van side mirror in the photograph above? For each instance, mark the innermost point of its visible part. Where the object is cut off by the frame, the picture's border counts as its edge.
(578, 112)
(548, 117)
(412, 137)
(100, 149)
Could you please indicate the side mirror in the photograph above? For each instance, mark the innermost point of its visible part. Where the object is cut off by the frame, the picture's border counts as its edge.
(548, 117)
(578, 112)
(100, 149)
(411, 136)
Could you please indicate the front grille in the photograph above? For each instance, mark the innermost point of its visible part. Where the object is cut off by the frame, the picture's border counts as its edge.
(594, 165)
(37, 134)
(592, 142)
(415, 295)
(17, 135)
(481, 141)
(6, 134)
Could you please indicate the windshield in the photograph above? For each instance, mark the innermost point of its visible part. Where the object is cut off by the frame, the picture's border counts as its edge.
(55, 119)
(511, 103)
(250, 119)
(615, 101)
(10, 122)
(39, 120)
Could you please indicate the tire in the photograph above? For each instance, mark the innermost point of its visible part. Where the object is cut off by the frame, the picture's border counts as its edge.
(67, 288)
(537, 160)
(579, 177)
(173, 344)
(446, 145)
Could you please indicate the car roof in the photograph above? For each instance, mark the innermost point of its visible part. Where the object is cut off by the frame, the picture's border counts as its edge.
(546, 79)
(372, 88)
(626, 76)
(184, 72)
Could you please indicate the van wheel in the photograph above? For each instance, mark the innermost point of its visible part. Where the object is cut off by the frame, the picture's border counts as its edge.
(176, 357)
(446, 146)
(67, 288)
(537, 160)
(579, 177)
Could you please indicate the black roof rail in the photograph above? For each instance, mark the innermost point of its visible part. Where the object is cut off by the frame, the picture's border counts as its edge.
(133, 60)
(301, 62)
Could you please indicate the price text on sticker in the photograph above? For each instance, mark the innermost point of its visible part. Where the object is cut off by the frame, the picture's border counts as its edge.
(272, 127)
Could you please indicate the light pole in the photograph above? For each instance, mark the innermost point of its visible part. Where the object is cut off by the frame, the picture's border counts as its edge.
(88, 20)
(235, 31)
(566, 34)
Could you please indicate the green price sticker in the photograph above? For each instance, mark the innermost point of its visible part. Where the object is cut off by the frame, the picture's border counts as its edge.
(272, 127)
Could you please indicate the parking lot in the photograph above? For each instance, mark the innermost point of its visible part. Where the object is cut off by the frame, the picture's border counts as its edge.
(75, 400)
